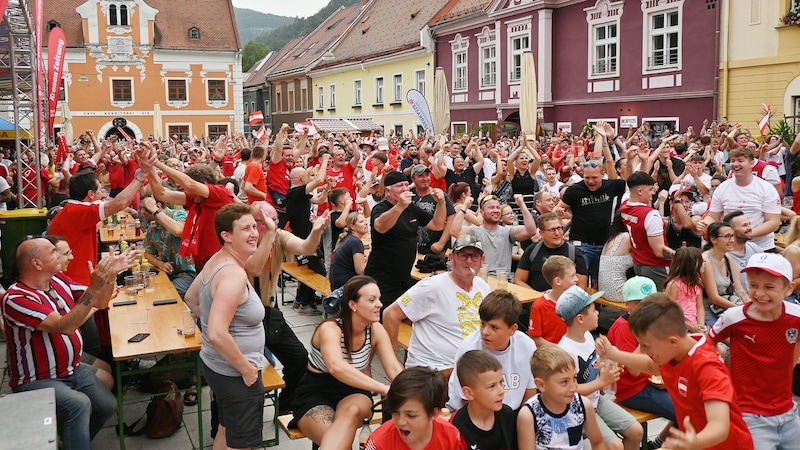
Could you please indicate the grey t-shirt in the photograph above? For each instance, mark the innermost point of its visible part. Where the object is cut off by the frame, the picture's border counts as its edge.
(750, 249)
(497, 246)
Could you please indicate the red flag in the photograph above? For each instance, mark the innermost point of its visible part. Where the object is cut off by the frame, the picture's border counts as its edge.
(63, 150)
(764, 122)
(124, 134)
(56, 49)
(261, 133)
(256, 117)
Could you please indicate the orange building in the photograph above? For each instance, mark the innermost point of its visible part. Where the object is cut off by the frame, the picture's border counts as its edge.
(127, 60)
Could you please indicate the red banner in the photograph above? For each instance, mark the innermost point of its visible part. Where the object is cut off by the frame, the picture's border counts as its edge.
(3, 4)
(37, 27)
(63, 150)
(56, 49)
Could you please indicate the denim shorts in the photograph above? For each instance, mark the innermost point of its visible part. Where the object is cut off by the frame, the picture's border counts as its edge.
(780, 432)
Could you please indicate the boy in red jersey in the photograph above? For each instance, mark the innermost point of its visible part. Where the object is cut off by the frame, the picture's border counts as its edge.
(694, 375)
(763, 341)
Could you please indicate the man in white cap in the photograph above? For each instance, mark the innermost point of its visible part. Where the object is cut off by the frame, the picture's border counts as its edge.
(763, 351)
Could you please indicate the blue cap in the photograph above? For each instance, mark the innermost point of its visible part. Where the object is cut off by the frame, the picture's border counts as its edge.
(573, 300)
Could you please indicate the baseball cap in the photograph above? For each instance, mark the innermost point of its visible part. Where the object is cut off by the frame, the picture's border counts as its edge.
(772, 263)
(677, 188)
(322, 144)
(573, 300)
(376, 182)
(637, 288)
(394, 178)
(383, 144)
(467, 240)
(419, 169)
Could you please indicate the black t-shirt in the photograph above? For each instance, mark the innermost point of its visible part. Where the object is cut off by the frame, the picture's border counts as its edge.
(426, 237)
(298, 209)
(394, 252)
(335, 231)
(501, 437)
(342, 267)
(535, 278)
(467, 176)
(593, 212)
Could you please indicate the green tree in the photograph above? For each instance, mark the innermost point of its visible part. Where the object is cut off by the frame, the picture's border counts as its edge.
(252, 53)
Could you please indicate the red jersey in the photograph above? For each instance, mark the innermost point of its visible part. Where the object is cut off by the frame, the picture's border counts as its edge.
(199, 239)
(699, 377)
(620, 335)
(228, 165)
(634, 216)
(77, 222)
(545, 322)
(116, 175)
(277, 180)
(33, 354)
(762, 357)
(254, 173)
(445, 437)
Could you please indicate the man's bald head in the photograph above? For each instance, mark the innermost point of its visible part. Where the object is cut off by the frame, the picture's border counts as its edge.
(30, 250)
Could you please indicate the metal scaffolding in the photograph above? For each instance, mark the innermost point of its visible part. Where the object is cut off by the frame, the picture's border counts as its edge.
(19, 96)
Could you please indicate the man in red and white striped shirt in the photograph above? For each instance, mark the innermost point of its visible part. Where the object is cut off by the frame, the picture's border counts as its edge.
(42, 320)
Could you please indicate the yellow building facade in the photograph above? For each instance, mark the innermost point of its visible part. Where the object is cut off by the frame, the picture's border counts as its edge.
(127, 60)
(375, 90)
(759, 62)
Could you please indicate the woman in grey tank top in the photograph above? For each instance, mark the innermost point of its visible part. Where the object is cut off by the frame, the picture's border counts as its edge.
(335, 393)
(233, 336)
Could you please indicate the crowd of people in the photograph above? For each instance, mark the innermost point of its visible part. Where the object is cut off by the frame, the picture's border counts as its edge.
(679, 226)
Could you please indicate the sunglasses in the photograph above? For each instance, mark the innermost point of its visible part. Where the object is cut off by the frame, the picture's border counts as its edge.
(487, 198)
(592, 164)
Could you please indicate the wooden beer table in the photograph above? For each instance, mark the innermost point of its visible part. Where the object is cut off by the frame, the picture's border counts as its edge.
(112, 235)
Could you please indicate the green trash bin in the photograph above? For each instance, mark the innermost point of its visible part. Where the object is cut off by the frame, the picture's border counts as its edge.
(14, 226)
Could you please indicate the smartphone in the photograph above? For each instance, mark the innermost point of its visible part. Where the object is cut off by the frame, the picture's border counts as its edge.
(139, 337)
(165, 302)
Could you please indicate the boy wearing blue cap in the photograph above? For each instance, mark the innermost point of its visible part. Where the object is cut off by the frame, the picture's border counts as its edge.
(578, 310)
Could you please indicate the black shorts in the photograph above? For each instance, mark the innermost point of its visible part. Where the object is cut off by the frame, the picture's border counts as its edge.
(320, 389)
(241, 408)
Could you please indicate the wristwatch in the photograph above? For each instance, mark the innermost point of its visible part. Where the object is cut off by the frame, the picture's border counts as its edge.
(676, 200)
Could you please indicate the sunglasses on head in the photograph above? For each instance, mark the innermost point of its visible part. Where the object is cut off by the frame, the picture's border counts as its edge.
(592, 164)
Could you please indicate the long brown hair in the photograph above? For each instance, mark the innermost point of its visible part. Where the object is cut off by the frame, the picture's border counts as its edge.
(345, 314)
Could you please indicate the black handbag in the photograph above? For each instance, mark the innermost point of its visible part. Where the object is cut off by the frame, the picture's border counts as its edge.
(273, 323)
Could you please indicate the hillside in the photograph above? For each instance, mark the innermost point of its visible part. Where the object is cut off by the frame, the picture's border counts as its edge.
(254, 23)
(276, 38)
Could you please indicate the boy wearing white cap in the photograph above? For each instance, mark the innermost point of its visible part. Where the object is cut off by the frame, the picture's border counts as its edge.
(763, 340)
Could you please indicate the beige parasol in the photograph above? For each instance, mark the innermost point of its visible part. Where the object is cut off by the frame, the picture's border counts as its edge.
(441, 103)
(527, 99)
(157, 125)
(66, 122)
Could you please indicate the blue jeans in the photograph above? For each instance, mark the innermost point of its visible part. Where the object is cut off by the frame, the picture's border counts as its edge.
(774, 432)
(653, 400)
(82, 403)
(591, 254)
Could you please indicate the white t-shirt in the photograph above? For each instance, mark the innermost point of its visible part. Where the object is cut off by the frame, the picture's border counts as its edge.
(778, 158)
(753, 200)
(705, 178)
(516, 362)
(770, 175)
(3, 186)
(443, 315)
(554, 190)
(238, 175)
(585, 356)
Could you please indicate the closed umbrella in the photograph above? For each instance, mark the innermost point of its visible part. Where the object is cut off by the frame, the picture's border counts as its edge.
(66, 122)
(441, 103)
(157, 125)
(527, 100)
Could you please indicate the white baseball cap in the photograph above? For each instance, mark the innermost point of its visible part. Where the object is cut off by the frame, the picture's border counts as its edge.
(772, 263)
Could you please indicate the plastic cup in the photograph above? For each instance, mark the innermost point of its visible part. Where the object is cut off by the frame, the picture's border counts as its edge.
(131, 287)
(502, 278)
(187, 323)
(150, 280)
(141, 280)
(484, 273)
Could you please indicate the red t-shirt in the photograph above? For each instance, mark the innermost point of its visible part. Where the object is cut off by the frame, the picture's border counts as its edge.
(620, 335)
(634, 216)
(699, 377)
(228, 165)
(77, 222)
(762, 357)
(445, 436)
(545, 322)
(116, 175)
(277, 179)
(199, 238)
(254, 174)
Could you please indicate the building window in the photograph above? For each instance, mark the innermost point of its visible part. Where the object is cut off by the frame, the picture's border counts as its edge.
(122, 91)
(62, 92)
(118, 15)
(333, 97)
(215, 131)
(605, 50)
(194, 33)
(176, 90)
(182, 131)
(216, 90)
(519, 45)
(460, 71)
(278, 102)
(320, 97)
(489, 66)
(795, 6)
(379, 91)
(397, 88)
(357, 92)
(290, 98)
(398, 129)
(253, 107)
(267, 111)
(419, 80)
(664, 40)
(303, 99)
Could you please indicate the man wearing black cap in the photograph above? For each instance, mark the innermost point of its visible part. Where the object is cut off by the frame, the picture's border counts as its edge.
(395, 222)
(651, 255)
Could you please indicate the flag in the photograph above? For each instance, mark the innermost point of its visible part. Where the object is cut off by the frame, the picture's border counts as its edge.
(301, 128)
(56, 49)
(764, 122)
(420, 107)
(261, 133)
(256, 117)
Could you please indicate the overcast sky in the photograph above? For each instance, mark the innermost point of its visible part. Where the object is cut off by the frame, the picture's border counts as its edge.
(296, 8)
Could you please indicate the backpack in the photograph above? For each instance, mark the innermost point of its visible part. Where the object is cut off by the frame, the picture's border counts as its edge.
(163, 416)
(538, 246)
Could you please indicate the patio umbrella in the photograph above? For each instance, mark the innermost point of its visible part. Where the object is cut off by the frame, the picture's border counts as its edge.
(527, 98)
(441, 103)
(157, 125)
(66, 122)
